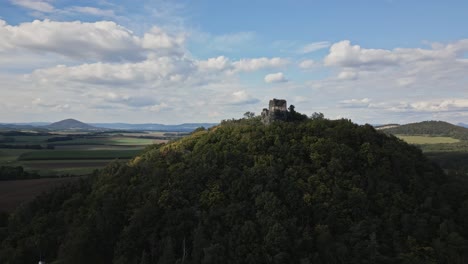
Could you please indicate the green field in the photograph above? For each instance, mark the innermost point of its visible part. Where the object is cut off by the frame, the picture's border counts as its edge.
(77, 153)
(449, 153)
(421, 140)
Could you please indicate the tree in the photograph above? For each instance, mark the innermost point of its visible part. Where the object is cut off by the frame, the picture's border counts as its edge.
(317, 115)
(249, 115)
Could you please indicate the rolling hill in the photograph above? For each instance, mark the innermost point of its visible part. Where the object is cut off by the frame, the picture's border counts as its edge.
(430, 128)
(70, 124)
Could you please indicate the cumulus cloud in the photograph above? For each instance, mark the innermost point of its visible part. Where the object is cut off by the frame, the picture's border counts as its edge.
(242, 98)
(157, 71)
(275, 78)
(219, 63)
(445, 105)
(314, 46)
(344, 54)
(102, 40)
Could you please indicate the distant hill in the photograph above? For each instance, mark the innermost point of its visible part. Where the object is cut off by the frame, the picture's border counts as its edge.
(186, 127)
(432, 128)
(380, 127)
(463, 125)
(70, 124)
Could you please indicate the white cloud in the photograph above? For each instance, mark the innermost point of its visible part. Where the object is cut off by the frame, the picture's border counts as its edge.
(249, 65)
(36, 5)
(219, 63)
(314, 46)
(158, 39)
(102, 40)
(155, 71)
(347, 75)
(275, 78)
(440, 105)
(242, 98)
(157, 107)
(308, 64)
(356, 103)
(344, 55)
(125, 99)
(92, 11)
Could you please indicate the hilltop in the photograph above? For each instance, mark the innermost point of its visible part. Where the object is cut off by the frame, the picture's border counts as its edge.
(430, 128)
(310, 191)
(70, 124)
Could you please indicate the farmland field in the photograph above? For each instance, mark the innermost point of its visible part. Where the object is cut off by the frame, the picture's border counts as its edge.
(13, 193)
(57, 153)
(420, 140)
(78, 154)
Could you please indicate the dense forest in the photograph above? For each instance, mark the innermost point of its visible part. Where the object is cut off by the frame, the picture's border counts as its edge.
(433, 128)
(308, 191)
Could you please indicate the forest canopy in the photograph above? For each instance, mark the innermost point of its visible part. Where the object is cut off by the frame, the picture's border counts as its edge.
(309, 191)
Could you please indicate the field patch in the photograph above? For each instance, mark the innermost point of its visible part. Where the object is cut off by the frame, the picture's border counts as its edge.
(14, 193)
(78, 154)
(420, 140)
(74, 153)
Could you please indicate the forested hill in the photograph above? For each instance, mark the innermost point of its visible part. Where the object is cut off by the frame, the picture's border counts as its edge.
(315, 191)
(432, 128)
(70, 124)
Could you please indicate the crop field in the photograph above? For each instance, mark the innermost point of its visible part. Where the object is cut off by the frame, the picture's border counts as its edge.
(58, 153)
(13, 193)
(421, 140)
(78, 154)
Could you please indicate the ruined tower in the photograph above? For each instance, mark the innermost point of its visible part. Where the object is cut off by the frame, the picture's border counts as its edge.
(278, 110)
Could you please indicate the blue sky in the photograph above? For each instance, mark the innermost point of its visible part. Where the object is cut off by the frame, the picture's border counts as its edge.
(203, 61)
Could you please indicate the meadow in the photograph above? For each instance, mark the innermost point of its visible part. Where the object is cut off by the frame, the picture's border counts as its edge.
(420, 140)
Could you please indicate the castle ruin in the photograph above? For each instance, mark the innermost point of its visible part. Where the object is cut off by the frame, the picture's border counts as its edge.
(278, 110)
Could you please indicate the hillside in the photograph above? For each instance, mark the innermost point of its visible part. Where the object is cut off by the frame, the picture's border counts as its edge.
(70, 124)
(315, 191)
(432, 128)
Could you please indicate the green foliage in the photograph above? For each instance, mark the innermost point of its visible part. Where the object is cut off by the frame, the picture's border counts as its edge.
(311, 191)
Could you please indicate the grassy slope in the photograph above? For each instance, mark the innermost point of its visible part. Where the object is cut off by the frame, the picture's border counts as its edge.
(419, 140)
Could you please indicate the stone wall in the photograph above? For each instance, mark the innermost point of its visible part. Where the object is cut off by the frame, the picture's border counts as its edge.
(278, 110)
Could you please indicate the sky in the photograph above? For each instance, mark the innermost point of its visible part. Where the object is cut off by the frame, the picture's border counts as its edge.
(172, 62)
